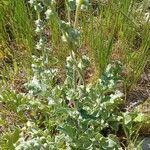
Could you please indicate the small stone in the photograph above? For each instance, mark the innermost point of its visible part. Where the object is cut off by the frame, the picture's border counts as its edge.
(146, 144)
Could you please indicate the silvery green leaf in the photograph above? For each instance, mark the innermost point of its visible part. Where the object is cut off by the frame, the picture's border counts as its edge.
(68, 130)
(40, 44)
(84, 7)
(47, 2)
(111, 143)
(78, 2)
(48, 13)
(39, 22)
(127, 118)
(117, 94)
(64, 39)
(32, 2)
(38, 7)
(39, 29)
(51, 101)
(139, 118)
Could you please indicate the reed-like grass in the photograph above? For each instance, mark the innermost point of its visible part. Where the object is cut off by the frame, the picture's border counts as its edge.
(16, 27)
(119, 32)
(113, 30)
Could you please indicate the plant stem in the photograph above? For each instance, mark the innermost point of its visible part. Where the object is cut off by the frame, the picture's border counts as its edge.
(77, 12)
(68, 11)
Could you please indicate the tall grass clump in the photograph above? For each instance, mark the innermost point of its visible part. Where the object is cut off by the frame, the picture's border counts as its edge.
(16, 30)
(117, 30)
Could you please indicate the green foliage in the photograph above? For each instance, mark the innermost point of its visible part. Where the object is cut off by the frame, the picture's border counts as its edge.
(84, 111)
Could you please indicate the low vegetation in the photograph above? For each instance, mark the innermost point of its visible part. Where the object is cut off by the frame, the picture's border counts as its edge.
(67, 68)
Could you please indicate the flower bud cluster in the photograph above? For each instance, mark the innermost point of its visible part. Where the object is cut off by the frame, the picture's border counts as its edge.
(39, 23)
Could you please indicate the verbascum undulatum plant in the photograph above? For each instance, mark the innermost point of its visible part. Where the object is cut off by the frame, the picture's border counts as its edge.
(75, 113)
(42, 74)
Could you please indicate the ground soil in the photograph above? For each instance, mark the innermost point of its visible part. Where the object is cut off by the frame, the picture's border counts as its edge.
(141, 91)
